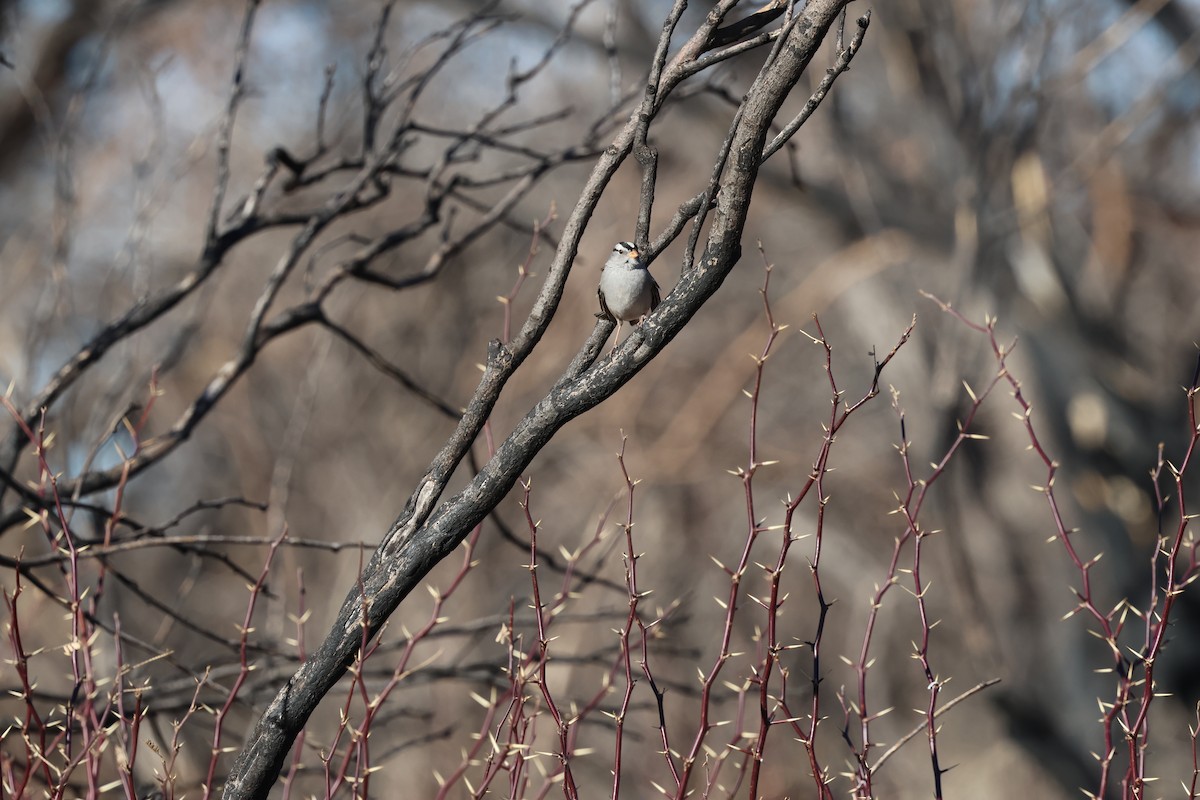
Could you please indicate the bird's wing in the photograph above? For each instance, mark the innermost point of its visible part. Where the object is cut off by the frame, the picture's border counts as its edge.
(605, 313)
(655, 294)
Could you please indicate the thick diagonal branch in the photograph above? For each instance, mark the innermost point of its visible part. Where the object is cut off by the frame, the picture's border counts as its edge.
(425, 534)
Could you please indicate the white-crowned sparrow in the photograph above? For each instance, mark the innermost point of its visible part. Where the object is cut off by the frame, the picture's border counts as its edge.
(627, 291)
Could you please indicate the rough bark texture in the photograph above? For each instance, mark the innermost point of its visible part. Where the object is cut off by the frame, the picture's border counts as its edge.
(426, 532)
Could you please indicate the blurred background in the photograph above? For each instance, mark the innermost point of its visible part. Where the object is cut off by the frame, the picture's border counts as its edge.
(1038, 162)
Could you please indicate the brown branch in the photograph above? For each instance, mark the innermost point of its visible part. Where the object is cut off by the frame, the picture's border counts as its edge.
(426, 532)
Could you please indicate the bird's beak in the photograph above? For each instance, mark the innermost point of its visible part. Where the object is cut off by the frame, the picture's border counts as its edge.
(633, 253)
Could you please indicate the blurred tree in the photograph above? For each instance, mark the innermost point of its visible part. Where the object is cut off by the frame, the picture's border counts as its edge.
(244, 307)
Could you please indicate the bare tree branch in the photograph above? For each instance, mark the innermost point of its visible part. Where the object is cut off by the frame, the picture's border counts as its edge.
(426, 532)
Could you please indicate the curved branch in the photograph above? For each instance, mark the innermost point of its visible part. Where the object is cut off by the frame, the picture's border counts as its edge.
(426, 533)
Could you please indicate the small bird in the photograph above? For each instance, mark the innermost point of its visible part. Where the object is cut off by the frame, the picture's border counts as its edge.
(627, 291)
